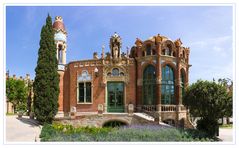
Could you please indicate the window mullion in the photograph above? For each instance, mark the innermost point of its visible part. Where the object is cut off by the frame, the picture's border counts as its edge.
(84, 92)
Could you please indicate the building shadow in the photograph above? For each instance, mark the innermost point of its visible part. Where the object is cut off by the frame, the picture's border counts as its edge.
(31, 122)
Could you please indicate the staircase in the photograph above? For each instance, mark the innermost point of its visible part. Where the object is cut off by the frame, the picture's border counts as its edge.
(145, 116)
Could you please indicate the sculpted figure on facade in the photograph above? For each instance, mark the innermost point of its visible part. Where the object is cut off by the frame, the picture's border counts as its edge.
(115, 51)
(115, 46)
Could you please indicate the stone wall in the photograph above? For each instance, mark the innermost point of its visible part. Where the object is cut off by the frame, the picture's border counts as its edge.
(99, 121)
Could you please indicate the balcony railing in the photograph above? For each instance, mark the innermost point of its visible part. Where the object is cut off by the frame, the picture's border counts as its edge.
(146, 108)
(168, 108)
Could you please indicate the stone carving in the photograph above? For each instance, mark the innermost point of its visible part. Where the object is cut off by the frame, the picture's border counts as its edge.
(115, 46)
(178, 43)
(115, 51)
(158, 38)
(100, 109)
(138, 42)
(95, 55)
(131, 109)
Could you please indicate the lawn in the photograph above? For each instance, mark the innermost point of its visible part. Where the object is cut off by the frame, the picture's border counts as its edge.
(150, 133)
(226, 126)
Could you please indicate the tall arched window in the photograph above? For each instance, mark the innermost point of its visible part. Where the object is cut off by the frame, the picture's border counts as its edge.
(167, 88)
(182, 80)
(149, 85)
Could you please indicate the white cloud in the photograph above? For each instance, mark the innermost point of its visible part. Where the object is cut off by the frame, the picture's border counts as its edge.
(217, 49)
(211, 58)
(208, 72)
(212, 41)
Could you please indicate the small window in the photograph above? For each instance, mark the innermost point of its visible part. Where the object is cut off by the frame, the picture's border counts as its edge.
(121, 74)
(167, 52)
(109, 74)
(84, 90)
(183, 54)
(143, 53)
(115, 72)
(148, 49)
(60, 54)
(154, 52)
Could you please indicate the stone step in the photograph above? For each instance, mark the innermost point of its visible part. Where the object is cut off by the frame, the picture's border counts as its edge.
(145, 116)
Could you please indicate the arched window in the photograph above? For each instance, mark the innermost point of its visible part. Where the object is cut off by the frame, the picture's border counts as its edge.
(149, 85)
(60, 54)
(167, 88)
(154, 52)
(174, 55)
(84, 88)
(148, 49)
(143, 53)
(182, 81)
(115, 72)
(167, 52)
(183, 54)
(109, 74)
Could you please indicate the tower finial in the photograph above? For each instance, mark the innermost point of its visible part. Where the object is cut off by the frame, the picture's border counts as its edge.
(103, 53)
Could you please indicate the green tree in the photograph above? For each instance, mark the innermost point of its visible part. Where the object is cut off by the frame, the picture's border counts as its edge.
(16, 92)
(208, 100)
(228, 84)
(46, 83)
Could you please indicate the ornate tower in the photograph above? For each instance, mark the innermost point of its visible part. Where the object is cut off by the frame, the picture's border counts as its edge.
(60, 40)
(61, 44)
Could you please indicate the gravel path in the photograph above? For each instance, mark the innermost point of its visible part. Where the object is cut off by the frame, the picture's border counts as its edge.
(22, 129)
(226, 134)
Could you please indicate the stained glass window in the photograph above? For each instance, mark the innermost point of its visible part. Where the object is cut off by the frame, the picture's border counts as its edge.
(115, 72)
(149, 85)
(167, 88)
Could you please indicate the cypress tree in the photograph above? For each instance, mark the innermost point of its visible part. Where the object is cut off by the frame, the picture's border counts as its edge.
(46, 84)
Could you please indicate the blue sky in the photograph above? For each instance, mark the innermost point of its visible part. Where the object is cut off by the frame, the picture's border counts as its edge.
(207, 30)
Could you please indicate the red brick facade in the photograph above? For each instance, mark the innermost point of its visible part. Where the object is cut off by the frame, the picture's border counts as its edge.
(157, 51)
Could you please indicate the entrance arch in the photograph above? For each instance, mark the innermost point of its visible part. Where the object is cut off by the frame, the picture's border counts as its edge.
(149, 85)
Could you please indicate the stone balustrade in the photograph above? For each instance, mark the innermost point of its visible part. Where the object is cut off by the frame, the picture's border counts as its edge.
(168, 108)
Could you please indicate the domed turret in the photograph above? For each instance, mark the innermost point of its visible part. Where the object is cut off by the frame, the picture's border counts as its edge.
(58, 24)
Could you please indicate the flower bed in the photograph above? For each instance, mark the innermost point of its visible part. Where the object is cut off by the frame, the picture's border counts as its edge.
(151, 133)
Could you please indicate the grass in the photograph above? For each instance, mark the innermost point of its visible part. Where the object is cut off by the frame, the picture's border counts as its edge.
(59, 132)
(226, 126)
(10, 114)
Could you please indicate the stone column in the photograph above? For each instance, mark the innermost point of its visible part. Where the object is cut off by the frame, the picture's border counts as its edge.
(64, 56)
(159, 78)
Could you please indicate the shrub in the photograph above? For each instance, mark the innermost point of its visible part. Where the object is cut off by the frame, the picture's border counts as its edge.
(210, 126)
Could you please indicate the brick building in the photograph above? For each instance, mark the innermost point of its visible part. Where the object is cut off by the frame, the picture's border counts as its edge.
(149, 78)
